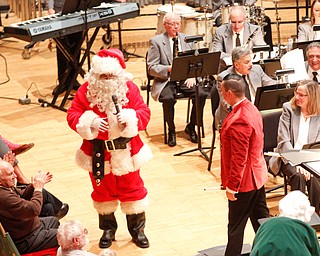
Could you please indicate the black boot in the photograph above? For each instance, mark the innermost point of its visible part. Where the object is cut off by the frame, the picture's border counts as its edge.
(108, 224)
(136, 223)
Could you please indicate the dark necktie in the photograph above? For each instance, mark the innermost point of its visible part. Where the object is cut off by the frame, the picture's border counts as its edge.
(247, 91)
(315, 76)
(238, 40)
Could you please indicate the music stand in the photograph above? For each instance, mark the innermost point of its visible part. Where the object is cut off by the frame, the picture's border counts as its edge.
(273, 96)
(200, 65)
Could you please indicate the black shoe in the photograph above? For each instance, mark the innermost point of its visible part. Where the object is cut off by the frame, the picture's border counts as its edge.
(172, 139)
(192, 133)
(63, 211)
(142, 241)
(106, 239)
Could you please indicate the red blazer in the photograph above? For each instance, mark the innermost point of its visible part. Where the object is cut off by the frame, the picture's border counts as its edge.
(243, 167)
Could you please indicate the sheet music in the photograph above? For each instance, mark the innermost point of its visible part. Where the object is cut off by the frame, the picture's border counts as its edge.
(294, 59)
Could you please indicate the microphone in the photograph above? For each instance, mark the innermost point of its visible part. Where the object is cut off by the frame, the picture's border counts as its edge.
(251, 36)
(116, 104)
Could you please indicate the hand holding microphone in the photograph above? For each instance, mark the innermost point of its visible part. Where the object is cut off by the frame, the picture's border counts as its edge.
(120, 117)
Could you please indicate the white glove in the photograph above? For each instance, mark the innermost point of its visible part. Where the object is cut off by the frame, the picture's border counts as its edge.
(100, 124)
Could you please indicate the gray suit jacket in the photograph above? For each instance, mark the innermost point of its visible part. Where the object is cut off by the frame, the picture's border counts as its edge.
(305, 32)
(288, 132)
(256, 77)
(159, 58)
(222, 41)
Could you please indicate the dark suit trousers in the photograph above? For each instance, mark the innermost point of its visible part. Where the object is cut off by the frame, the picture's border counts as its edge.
(298, 182)
(168, 97)
(44, 237)
(248, 205)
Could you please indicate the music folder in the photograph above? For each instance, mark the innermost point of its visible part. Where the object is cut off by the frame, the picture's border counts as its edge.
(296, 157)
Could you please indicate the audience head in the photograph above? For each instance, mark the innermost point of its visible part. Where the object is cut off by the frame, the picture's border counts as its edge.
(237, 17)
(172, 23)
(313, 55)
(296, 205)
(233, 88)
(7, 174)
(315, 12)
(307, 97)
(241, 60)
(72, 236)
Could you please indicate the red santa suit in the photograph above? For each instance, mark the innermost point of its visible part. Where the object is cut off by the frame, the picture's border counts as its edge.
(122, 181)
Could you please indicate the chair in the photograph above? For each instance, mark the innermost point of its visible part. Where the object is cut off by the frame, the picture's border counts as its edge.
(215, 98)
(270, 119)
(149, 80)
(8, 248)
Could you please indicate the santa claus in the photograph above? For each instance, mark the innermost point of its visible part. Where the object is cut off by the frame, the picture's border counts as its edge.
(108, 112)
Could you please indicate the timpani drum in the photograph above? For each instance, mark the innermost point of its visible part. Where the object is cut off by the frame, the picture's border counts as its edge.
(198, 24)
(225, 11)
(177, 8)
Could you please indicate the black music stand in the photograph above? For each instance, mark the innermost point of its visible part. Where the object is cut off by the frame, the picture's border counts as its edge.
(200, 65)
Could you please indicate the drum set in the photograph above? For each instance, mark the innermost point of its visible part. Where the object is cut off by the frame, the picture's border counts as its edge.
(202, 23)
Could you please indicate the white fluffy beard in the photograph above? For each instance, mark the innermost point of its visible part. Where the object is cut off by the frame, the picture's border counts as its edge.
(100, 91)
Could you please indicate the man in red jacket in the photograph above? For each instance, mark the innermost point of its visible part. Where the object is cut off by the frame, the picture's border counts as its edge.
(243, 168)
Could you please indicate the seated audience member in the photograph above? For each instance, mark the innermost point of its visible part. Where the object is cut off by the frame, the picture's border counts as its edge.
(20, 209)
(313, 61)
(159, 61)
(17, 149)
(51, 206)
(236, 33)
(299, 125)
(253, 76)
(288, 234)
(72, 238)
(305, 29)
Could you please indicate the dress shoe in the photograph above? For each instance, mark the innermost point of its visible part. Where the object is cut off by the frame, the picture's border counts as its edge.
(63, 211)
(22, 148)
(172, 139)
(141, 241)
(192, 134)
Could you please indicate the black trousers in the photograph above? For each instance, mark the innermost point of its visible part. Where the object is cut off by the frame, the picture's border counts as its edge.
(168, 97)
(298, 182)
(248, 205)
(44, 237)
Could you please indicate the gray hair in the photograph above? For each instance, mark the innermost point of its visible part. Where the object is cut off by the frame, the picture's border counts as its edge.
(238, 8)
(67, 232)
(312, 45)
(239, 52)
(170, 16)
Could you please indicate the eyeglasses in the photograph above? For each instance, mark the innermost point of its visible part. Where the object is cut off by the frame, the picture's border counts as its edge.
(173, 24)
(300, 94)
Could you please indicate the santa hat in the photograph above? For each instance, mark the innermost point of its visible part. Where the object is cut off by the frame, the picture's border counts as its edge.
(108, 61)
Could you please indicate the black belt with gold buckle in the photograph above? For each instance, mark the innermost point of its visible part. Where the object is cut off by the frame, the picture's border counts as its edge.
(118, 143)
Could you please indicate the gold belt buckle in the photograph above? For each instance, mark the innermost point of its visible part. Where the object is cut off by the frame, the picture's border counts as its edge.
(109, 145)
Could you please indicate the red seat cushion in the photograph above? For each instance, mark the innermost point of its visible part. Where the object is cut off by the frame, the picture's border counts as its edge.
(47, 252)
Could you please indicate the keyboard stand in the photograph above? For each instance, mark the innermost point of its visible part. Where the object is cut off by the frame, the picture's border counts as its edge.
(75, 65)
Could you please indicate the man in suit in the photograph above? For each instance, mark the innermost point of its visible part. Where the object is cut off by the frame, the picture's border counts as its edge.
(313, 61)
(253, 75)
(243, 168)
(159, 61)
(236, 33)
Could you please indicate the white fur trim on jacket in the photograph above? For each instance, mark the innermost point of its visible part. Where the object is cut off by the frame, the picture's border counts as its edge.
(84, 126)
(105, 208)
(105, 65)
(135, 207)
(131, 164)
(85, 162)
